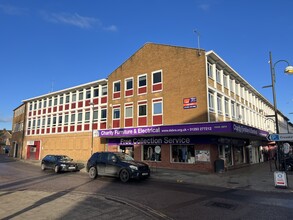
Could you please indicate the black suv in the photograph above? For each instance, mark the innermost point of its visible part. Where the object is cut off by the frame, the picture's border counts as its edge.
(116, 164)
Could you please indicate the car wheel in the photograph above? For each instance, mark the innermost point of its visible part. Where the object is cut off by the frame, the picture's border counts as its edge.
(124, 175)
(56, 169)
(93, 173)
(43, 167)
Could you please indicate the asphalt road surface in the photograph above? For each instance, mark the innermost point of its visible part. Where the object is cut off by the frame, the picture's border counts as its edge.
(26, 192)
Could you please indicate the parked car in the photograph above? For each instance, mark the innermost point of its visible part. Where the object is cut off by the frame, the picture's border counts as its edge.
(118, 165)
(60, 163)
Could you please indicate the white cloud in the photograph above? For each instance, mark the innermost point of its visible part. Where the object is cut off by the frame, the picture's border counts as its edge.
(204, 7)
(4, 120)
(12, 10)
(111, 28)
(76, 20)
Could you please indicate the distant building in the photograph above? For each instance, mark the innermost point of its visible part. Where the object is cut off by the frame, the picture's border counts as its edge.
(170, 106)
(5, 137)
(18, 129)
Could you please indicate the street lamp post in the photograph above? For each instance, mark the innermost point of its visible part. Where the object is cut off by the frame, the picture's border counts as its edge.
(288, 70)
(92, 141)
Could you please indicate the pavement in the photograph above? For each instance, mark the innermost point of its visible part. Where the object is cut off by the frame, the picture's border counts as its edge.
(259, 177)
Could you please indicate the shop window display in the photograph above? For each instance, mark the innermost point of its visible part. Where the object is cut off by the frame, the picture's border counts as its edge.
(238, 154)
(183, 153)
(152, 152)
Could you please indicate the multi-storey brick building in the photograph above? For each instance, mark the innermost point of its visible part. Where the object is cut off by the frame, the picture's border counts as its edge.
(170, 106)
(18, 129)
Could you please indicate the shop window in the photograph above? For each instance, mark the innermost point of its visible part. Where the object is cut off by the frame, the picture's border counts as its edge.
(183, 153)
(225, 153)
(152, 152)
(238, 154)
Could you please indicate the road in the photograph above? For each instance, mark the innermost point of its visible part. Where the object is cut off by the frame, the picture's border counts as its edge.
(26, 192)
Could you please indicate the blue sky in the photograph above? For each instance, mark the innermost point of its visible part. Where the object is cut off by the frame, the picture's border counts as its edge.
(49, 45)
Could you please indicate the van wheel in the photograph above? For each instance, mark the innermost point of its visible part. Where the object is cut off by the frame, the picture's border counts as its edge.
(124, 175)
(93, 173)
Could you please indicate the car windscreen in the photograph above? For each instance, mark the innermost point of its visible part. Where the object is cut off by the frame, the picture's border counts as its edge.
(64, 158)
(124, 157)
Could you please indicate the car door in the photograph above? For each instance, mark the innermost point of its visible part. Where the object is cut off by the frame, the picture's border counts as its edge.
(101, 163)
(51, 162)
(112, 167)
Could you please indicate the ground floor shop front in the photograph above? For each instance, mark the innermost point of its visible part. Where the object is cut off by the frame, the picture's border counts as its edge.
(196, 147)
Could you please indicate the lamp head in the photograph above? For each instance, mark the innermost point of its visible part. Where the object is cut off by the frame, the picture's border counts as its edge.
(289, 70)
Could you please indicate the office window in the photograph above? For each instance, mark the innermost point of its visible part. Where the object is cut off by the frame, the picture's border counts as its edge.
(116, 113)
(72, 118)
(226, 107)
(43, 122)
(79, 117)
(157, 77)
(233, 110)
(67, 98)
(87, 116)
(129, 112)
(129, 84)
(103, 114)
(88, 94)
(104, 90)
(211, 101)
(55, 100)
(96, 92)
(80, 95)
(95, 115)
(31, 106)
(66, 119)
(116, 87)
(35, 105)
(45, 103)
(40, 104)
(232, 85)
(142, 110)
(225, 79)
(60, 120)
(74, 97)
(142, 81)
(157, 108)
(54, 120)
(219, 104)
(218, 76)
(210, 70)
(61, 100)
(50, 102)
(48, 121)
(39, 123)
(34, 123)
